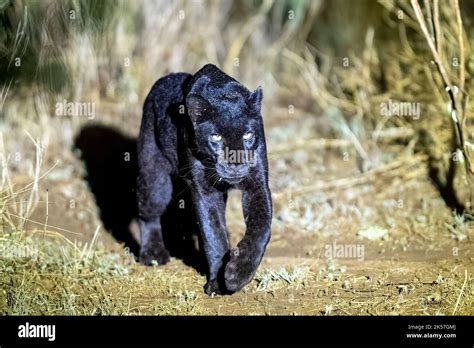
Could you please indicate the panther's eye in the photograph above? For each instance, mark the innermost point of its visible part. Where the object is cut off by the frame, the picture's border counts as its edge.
(248, 135)
(216, 137)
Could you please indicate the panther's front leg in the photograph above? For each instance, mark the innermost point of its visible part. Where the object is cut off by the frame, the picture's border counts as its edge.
(210, 210)
(246, 257)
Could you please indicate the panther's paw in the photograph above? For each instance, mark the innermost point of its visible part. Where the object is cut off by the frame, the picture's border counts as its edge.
(151, 256)
(239, 270)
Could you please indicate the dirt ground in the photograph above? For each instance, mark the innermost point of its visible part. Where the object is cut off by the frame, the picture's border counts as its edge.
(404, 252)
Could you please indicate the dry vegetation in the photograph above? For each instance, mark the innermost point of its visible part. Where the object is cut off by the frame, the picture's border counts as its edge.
(340, 170)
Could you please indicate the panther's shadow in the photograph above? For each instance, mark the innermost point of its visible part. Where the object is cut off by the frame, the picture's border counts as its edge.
(111, 165)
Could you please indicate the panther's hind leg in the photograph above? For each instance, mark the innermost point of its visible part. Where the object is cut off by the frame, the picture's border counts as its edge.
(154, 192)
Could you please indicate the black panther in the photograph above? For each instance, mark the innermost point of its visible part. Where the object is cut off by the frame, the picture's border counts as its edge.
(206, 129)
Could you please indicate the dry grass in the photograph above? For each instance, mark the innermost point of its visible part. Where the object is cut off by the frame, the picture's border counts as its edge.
(59, 282)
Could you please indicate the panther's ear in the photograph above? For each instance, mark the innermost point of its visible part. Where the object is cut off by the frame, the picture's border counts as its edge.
(197, 107)
(255, 99)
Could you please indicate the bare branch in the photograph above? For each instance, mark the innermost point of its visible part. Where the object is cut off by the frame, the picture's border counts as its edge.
(457, 114)
(437, 28)
(462, 73)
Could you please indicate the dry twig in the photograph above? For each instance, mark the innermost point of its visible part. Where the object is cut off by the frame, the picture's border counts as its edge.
(456, 93)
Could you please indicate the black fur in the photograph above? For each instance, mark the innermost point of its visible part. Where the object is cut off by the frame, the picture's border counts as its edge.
(190, 125)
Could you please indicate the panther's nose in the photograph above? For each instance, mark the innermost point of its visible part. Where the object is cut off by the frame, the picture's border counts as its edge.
(237, 170)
